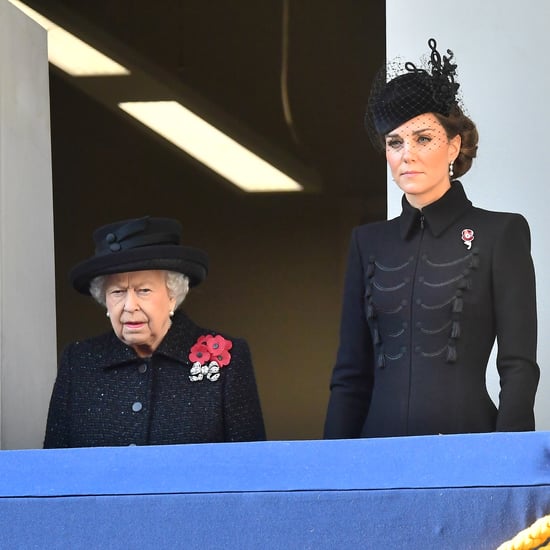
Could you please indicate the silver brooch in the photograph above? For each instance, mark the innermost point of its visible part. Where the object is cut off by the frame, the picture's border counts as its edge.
(211, 372)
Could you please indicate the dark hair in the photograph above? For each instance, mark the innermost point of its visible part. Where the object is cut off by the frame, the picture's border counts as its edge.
(457, 123)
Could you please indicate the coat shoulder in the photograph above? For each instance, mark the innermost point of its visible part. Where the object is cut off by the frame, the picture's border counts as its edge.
(183, 325)
(493, 216)
(89, 346)
(500, 224)
(376, 228)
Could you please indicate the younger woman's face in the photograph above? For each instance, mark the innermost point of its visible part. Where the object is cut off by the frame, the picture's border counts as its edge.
(418, 154)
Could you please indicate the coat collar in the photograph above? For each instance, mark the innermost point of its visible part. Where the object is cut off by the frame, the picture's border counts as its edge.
(438, 216)
(180, 338)
(176, 345)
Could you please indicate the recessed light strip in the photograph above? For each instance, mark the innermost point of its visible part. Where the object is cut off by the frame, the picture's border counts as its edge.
(69, 53)
(170, 119)
(210, 146)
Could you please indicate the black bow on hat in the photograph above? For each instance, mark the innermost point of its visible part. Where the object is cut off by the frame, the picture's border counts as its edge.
(140, 244)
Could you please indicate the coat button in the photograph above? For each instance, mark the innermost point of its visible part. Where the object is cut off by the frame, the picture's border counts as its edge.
(137, 406)
(142, 368)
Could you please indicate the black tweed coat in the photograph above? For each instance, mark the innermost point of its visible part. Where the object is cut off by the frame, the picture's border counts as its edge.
(425, 296)
(105, 395)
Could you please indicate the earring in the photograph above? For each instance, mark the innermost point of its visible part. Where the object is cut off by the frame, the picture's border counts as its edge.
(108, 314)
(451, 172)
(171, 313)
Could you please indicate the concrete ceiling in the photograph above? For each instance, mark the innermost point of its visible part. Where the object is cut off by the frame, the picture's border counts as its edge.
(290, 78)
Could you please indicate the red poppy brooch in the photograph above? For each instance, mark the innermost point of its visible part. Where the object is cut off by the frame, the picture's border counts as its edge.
(468, 237)
(209, 355)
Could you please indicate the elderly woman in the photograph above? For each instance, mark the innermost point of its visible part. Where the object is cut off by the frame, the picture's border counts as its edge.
(156, 378)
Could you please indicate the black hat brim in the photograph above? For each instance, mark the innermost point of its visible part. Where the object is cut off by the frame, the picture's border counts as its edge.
(192, 262)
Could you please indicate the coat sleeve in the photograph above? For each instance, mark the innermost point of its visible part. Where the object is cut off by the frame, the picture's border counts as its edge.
(58, 424)
(516, 326)
(243, 420)
(353, 375)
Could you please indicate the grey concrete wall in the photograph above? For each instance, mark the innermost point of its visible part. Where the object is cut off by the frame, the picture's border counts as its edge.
(27, 286)
(501, 48)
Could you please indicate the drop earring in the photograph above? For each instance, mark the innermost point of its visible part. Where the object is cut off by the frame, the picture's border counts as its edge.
(451, 171)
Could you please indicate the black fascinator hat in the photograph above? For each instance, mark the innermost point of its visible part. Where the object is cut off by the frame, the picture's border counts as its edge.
(412, 93)
(140, 244)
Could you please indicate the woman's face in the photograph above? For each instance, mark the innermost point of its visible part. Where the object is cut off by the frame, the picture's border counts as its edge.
(138, 305)
(419, 153)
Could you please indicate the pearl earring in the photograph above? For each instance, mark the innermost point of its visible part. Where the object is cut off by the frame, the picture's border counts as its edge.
(451, 172)
(171, 313)
(108, 314)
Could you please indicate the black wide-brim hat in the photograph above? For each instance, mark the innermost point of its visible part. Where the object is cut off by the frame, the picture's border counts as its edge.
(140, 244)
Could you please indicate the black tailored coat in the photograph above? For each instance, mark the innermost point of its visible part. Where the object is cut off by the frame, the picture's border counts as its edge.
(105, 395)
(422, 306)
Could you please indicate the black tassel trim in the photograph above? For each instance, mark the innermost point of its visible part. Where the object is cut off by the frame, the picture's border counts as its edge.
(455, 330)
(457, 305)
(370, 270)
(465, 284)
(370, 311)
(451, 353)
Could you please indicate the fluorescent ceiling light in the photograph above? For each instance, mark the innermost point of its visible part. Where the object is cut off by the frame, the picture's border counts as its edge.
(69, 53)
(170, 119)
(210, 146)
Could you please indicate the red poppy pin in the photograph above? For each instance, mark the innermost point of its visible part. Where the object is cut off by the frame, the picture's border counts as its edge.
(209, 354)
(468, 237)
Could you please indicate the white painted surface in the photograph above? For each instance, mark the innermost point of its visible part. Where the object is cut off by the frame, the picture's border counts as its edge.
(27, 283)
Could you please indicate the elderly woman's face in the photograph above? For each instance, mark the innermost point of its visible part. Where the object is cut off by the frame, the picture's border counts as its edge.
(419, 153)
(139, 308)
